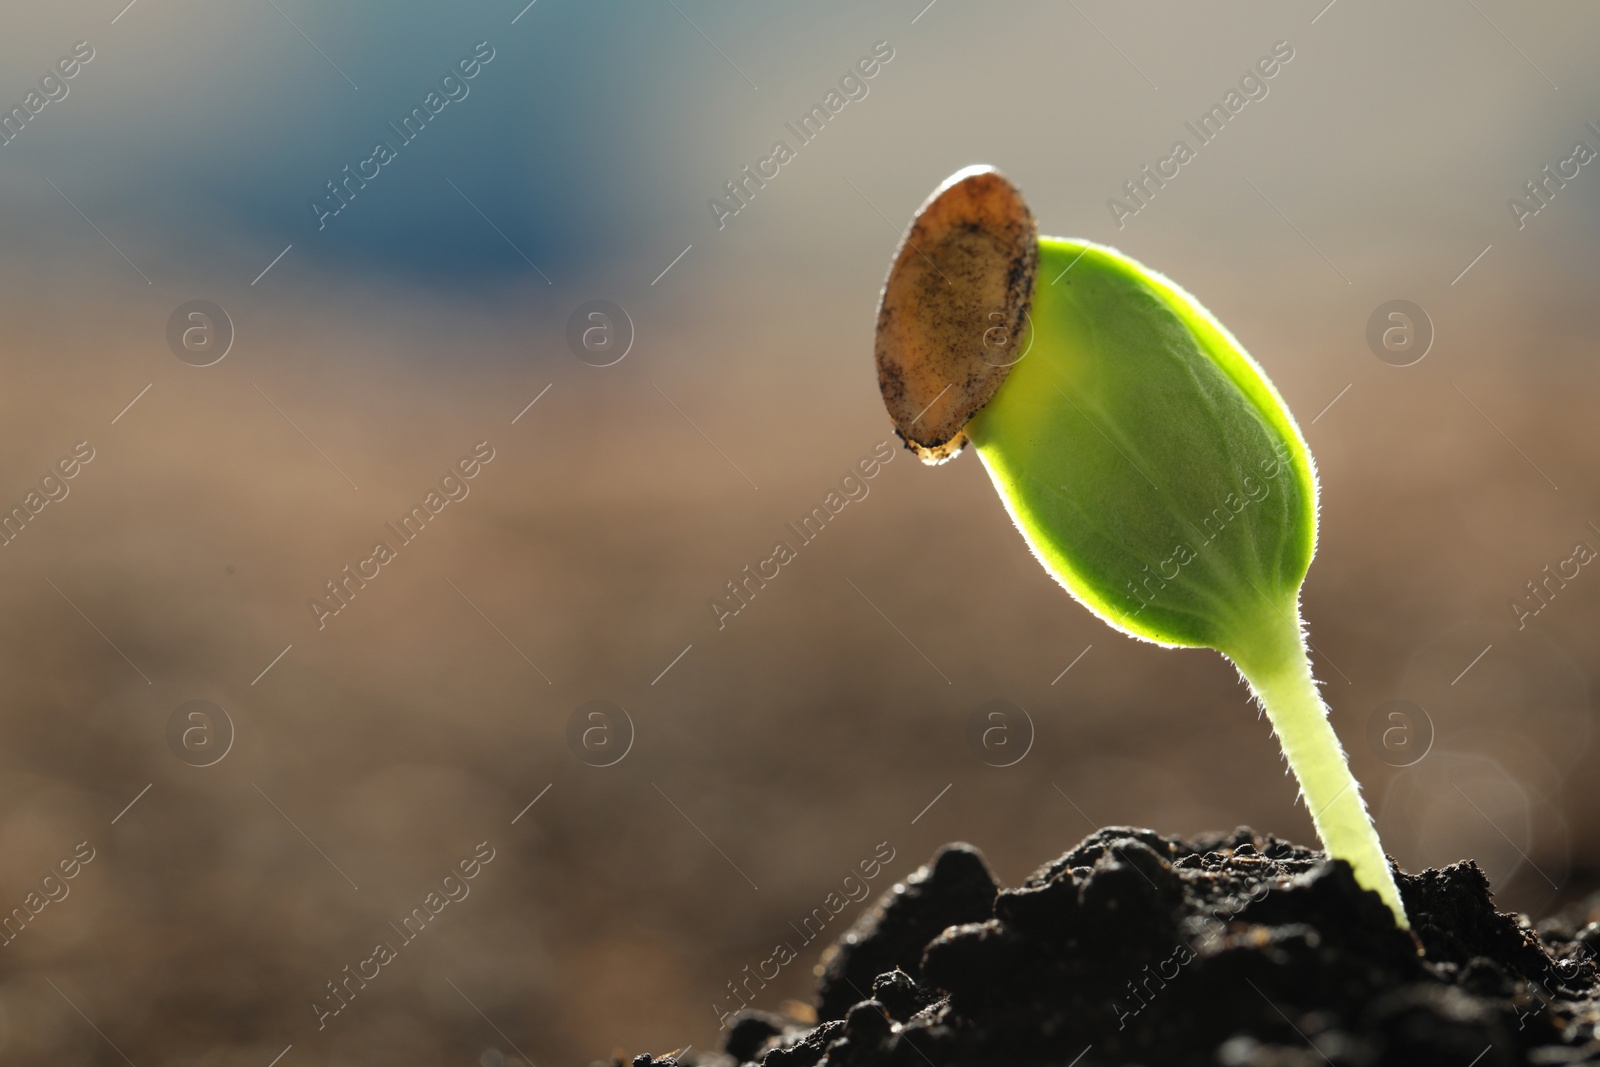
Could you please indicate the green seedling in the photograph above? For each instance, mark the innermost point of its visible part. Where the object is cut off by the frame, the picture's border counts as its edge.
(1149, 463)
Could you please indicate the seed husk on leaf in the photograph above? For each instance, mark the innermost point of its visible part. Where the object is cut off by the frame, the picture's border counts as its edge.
(955, 304)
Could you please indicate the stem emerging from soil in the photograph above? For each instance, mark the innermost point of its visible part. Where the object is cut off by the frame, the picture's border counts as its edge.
(1278, 669)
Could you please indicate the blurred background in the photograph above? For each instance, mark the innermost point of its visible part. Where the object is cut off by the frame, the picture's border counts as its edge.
(248, 849)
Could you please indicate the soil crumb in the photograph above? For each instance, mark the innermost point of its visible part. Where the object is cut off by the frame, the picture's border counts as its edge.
(1225, 950)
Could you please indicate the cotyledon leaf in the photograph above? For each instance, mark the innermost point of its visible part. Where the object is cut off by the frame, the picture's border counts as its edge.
(1150, 465)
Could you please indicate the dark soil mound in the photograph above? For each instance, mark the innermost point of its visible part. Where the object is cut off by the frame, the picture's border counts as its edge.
(1232, 950)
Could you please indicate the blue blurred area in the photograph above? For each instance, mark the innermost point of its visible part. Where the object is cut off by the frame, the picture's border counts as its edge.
(238, 115)
(595, 136)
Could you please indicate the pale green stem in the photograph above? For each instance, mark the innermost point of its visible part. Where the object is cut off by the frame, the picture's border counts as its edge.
(1279, 671)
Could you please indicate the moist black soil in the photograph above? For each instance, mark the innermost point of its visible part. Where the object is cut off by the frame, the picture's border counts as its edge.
(1232, 950)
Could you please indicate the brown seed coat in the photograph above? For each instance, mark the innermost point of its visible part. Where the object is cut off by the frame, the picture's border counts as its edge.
(952, 316)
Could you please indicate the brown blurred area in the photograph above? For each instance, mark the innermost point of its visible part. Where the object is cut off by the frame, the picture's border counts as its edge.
(831, 716)
(782, 749)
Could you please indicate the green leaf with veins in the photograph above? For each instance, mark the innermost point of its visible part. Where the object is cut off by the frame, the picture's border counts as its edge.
(1151, 466)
